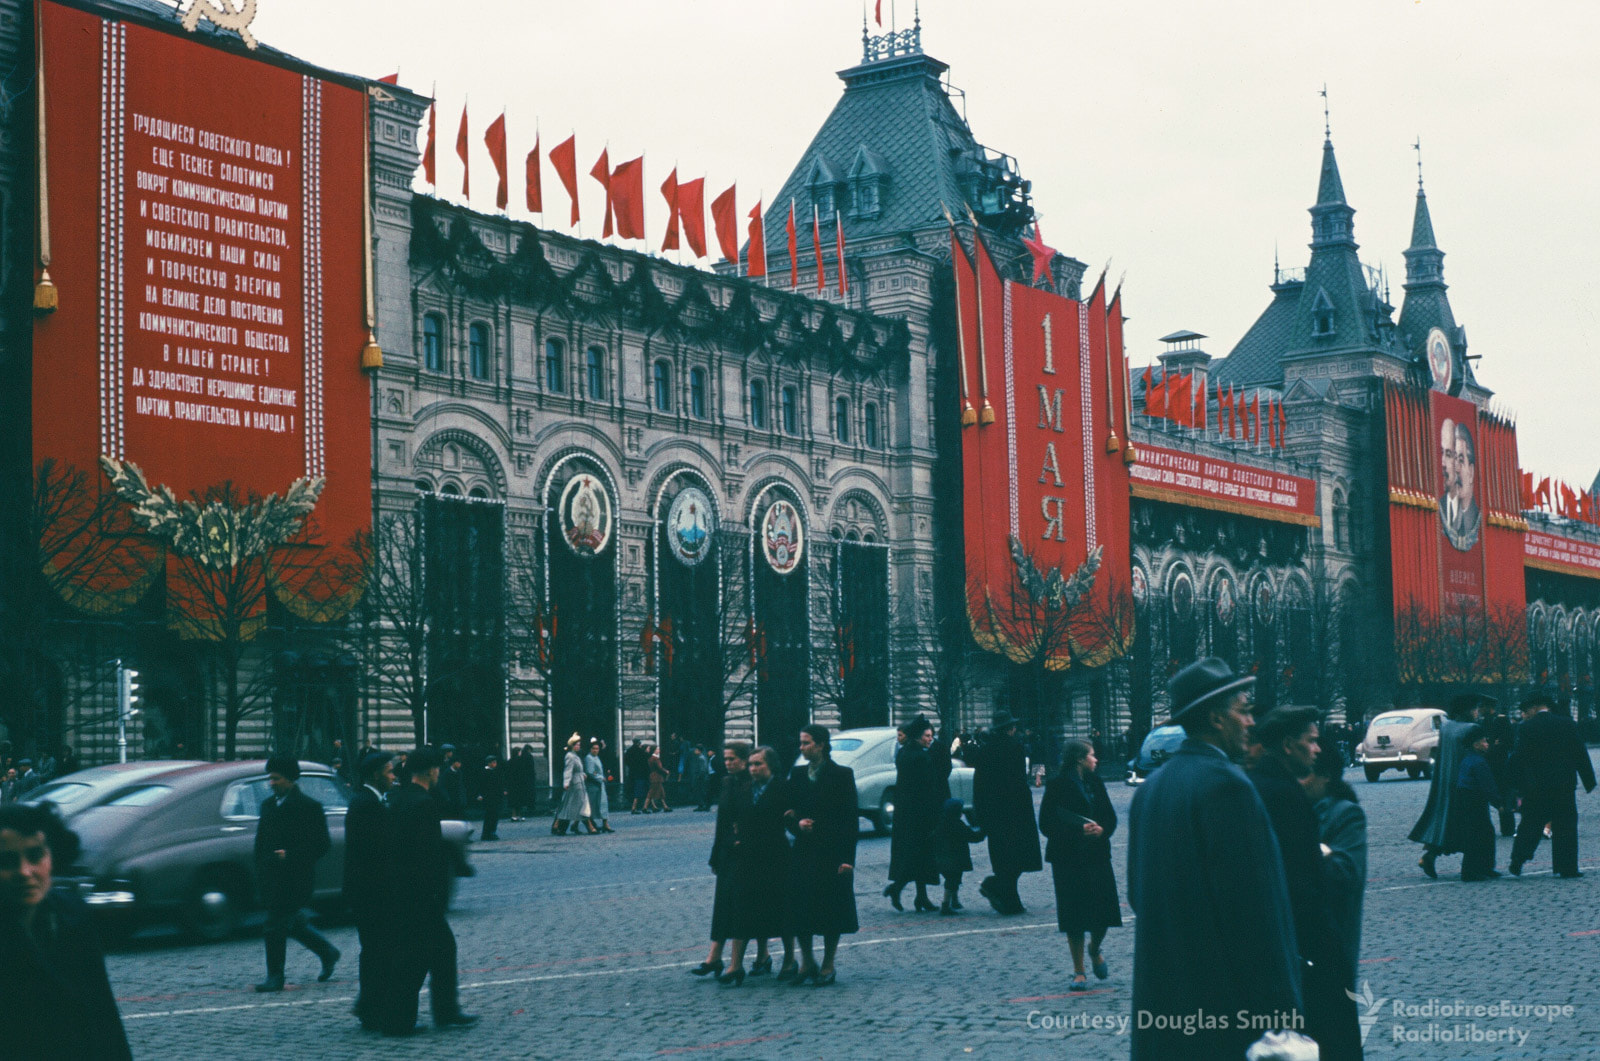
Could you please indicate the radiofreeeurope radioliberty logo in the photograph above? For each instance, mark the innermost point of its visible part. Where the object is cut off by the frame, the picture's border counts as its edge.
(1454, 1022)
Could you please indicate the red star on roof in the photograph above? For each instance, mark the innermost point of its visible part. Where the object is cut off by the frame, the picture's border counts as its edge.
(1042, 254)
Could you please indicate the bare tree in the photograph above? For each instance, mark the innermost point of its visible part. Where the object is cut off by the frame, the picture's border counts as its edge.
(394, 616)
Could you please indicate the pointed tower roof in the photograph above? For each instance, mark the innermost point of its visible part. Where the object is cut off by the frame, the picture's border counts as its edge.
(1422, 223)
(1330, 189)
(1426, 305)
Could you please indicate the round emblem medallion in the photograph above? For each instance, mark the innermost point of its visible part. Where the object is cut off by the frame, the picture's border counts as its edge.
(1440, 364)
(1264, 602)
(781, 537)
(1224, 602)
(689, 524)
(1182, 596)
(585, 515)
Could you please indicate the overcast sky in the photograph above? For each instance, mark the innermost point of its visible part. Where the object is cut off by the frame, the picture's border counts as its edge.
(1181, 140)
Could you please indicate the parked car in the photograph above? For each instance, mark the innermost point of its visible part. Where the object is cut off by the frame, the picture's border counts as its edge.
(1402, 740)
(1158, 746)
(175, 841)
(870, 753)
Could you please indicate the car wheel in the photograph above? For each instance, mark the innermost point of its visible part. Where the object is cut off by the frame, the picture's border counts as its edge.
(214, 908)
(1373, 772)
(1426, 771)
(885, 819)
(1413, 772)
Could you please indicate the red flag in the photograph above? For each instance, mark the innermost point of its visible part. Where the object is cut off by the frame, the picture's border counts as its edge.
(1283, 423)
(758, 245)
(816, 246)
(724, 219)
(461, 150)
(1235, 413)
(669, 192)
(627, 198)
(1254, 419)
(601, 172)
(692, 212)
(564, 157)
(794, 251)
(1180, 404)
(428, 172)
(1541, 496)
(1525, 481)
(1203, 399)
(392, 79)
(877, 12)
(534, 181)
(495, 139)
(838, 240)
(1222, 403)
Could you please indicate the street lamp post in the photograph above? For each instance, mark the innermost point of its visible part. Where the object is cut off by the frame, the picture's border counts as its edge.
(127, 696)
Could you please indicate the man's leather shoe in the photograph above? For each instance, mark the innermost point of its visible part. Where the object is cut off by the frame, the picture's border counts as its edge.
(456, 1020)
(1574, 875)
(1516, 868)
(270, 984)
(327, 967)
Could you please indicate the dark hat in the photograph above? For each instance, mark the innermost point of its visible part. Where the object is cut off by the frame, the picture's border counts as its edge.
(1467, 703)
(287, 765)
(372, 762)
(917, 727)
(1474, 734)
(490, 760)
(424, 759)
(1003, 720)
(1202, 682)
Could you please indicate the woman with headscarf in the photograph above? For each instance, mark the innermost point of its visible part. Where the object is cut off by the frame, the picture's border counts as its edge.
(656, 797)
(917, 800)
(594, 774)
(1077, 819)
(822, 815)
(574, 793)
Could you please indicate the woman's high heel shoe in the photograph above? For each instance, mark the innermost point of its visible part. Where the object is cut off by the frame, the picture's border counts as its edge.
(924, 904)
(732, 978)
(825, 979)
(707, 968)
(787, 972)
(802, 976)
(761, 967)
(892, 893)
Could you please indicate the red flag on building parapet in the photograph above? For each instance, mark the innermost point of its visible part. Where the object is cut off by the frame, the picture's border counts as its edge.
(838, 239)
(1253, 419)
(757, 254)
(534, 180)
(1202, 400)
(1283, 423)
(1222, 404)
(1525, 489)
(1541, 496)
(494, 138)
(627, 198)
(725, 219)
(602, 173)
(428, 163)
(877, 12)
(816, 246)
(392, 79)
(461, 152)
(1235, 414)
(669, 192)
(692, 212)
(564, 157)
(794, 251)
(1180, 403)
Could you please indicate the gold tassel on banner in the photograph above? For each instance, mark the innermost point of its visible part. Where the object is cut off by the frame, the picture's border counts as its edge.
(986, 414)
(45, 295)
(1113, 443)
(1130, 456)
(371, 353)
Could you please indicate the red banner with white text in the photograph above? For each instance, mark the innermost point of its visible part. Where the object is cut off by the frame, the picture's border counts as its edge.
(1163, 474)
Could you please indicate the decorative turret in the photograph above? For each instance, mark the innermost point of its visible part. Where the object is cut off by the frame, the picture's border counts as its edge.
(1427, 306)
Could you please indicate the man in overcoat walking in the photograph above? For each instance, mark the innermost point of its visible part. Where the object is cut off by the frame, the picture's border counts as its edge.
(1549, 760)
(1214, 934)
(291, 835)
(1439, 830)
(1002, 802)
(368, 846)
(421, 889)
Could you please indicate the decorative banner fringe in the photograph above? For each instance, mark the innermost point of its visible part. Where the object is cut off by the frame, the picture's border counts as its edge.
(46, 296)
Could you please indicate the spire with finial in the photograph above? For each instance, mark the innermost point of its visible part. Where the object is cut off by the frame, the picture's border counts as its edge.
(1327, 123)
(1424, 259)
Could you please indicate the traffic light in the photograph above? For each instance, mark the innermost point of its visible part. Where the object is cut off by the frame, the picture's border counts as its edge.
(128, 692)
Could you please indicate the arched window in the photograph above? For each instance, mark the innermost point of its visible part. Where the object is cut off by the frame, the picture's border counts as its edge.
(841, 419)
(594, 363)
(661, 376)
(555, 360)
(478, 492)
(869, 426)
(478, 350)
(697, 393)
(790, 401)
(450, 488)
(758, 404)
(1341, 521)
(433, 342)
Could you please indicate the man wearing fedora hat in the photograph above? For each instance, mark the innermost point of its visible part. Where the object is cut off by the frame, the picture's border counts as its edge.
(1214, 933)
(1003, 806)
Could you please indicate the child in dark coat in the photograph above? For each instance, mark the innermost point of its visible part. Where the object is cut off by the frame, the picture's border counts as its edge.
(951, 839)
(1476, 790)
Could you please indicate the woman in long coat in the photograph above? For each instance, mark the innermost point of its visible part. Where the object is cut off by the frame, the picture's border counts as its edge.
(574, 793)
(1003, 806)
(656, 797)
(594, 779)
(1077, 818)
(733, 810)
(822, 815)
(917, 801)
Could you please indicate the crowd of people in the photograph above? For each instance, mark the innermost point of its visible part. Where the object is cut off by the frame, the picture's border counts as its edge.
(20, 775)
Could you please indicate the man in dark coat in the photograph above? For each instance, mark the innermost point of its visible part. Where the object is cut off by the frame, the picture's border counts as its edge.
(451, 791)
(421, 888)
(291, 836)
(368, 846)
(1549, 760)
(1438, 830)
(1498, 729)
(822, 815)
(56, 1002)
(1288, 738)
(1002, 803)
(492, 789)
(1214, 933)
(917, 800)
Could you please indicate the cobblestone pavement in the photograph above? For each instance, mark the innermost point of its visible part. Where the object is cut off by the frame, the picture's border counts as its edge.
(579, 948)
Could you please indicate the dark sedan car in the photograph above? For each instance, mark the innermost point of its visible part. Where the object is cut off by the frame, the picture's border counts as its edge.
(175, 841)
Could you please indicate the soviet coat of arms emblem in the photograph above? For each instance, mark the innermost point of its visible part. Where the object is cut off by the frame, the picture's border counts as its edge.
(585, 514)
(689, 525)
(782, 540)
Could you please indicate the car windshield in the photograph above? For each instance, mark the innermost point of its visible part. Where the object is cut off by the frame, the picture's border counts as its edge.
(143, 796)
(1397, 720)
(59, 792)
(844, 747)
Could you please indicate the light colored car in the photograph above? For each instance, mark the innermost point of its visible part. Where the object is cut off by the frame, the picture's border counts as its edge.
(175, 841)
(870, 753)
(1401, 740)
(1157, 748)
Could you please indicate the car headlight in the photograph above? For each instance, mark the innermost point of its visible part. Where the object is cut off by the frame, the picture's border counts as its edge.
(111, 893)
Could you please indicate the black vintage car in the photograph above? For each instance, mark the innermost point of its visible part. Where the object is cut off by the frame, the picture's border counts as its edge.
(174, 841)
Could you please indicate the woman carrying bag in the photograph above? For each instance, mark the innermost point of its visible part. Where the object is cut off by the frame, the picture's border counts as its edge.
(1077, 818)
